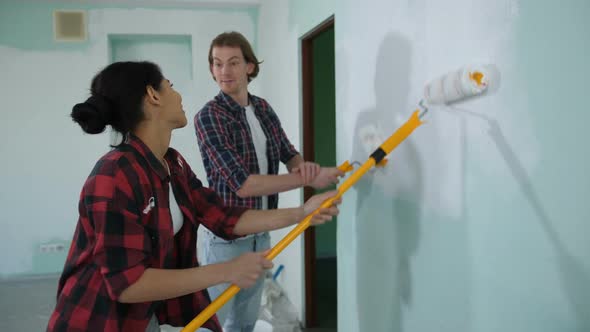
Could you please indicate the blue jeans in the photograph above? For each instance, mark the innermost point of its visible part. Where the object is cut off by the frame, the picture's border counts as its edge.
(241, 312)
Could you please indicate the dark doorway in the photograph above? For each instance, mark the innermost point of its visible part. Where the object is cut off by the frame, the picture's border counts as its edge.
(319, 145)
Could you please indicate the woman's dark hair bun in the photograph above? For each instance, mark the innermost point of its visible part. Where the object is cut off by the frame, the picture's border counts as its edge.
(93, 115)
(117, 93)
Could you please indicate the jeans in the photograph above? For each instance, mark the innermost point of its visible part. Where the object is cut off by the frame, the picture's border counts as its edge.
(241, 312)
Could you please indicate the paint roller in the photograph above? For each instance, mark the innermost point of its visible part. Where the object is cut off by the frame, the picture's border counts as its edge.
(458, 85)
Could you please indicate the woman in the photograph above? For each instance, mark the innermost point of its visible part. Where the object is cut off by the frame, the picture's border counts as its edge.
(132, 264)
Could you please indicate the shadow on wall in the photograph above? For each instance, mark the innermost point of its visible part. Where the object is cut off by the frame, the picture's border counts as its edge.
(574, 277)
(388, 216)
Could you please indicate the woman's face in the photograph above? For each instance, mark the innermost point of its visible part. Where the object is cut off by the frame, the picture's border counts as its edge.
(172, 104)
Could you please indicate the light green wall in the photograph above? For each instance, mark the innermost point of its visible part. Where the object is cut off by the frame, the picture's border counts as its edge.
(543, 252)
(44, 79)
(307, 14)
(49, 257)
(480, 222)
(28, 25)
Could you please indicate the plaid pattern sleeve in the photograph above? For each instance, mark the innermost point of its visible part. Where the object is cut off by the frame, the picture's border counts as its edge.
(211, 210)
(123, 246)
(215, 141)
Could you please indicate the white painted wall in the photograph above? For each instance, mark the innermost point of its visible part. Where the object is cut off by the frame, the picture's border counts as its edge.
(478, 222)
(46, 157)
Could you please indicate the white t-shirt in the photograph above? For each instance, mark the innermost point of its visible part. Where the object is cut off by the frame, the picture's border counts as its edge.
(259, 139)
(177, 218)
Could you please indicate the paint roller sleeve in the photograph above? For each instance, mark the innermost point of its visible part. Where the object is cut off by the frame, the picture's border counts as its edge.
(457, 85)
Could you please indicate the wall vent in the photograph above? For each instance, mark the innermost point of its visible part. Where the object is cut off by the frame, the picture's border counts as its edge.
(69, 25)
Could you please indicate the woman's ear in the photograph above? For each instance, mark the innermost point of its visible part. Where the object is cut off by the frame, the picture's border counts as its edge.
(152, 95)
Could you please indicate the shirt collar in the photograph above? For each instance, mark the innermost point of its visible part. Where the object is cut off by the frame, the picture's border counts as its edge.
(226, 100)
(149, 156)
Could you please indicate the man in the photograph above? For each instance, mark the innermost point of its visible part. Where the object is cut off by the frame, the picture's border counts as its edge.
(242, 142)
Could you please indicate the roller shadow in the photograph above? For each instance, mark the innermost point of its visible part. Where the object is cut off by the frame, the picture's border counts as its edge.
(574, 277)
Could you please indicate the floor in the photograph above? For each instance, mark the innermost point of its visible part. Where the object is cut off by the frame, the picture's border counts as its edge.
(25, 304)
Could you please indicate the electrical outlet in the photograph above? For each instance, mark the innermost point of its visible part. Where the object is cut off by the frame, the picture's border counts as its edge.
(48, 248)
(49, 256)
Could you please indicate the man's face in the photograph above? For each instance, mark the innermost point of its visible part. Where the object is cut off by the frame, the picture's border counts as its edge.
(230, 69)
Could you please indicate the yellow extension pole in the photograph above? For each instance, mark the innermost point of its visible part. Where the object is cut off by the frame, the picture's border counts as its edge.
(391, 143)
